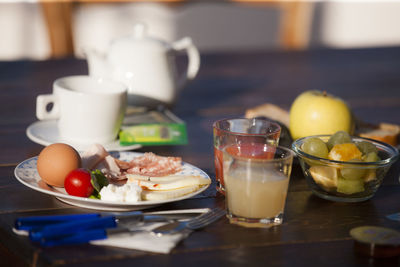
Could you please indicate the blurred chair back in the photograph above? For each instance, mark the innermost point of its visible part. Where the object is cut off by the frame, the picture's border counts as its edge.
(58, 20)
(295, 23)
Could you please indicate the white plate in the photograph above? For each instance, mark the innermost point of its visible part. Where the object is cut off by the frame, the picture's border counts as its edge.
(46, 133)
(27, 174)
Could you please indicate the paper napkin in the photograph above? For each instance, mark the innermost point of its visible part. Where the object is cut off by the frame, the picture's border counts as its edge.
(144, 241)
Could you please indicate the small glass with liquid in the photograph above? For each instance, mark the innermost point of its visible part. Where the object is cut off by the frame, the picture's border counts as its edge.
(240, 134)
(256, 185)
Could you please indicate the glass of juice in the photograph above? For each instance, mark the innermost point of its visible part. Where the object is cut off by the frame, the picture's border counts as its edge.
(256, 185)
(244, 134)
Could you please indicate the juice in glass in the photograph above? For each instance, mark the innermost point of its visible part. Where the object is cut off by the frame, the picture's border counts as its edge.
(262, 196)
(245, 134)
(251, 150)
(256, 186)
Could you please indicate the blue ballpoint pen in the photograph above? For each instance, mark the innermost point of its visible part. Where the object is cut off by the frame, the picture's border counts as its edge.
(37, 222)
(100, 223)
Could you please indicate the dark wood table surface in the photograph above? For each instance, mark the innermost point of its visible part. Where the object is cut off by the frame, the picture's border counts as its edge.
(315, 231)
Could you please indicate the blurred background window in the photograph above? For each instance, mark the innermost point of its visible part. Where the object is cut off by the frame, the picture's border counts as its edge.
(356, 23)
(22, 31)
(214, 26)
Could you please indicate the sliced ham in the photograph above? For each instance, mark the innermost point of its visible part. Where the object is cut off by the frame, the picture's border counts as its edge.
(109, 167)
(123, 164)
(93, 156)
(151, 164)
(157, 175)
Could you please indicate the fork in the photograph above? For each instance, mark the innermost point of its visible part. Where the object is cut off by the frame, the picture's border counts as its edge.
(193, 224)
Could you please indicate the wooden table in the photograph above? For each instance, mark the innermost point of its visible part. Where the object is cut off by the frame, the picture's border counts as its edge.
(315, 231)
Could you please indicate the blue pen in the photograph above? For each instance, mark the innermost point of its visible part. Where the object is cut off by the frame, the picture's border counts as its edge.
(59, 230)
(72, 227)
(37, 222)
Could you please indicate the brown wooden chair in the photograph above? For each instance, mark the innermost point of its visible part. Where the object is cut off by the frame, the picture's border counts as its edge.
(58, 19)
(294, 25)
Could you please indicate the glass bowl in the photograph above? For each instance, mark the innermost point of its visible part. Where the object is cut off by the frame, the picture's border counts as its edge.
(325, 176)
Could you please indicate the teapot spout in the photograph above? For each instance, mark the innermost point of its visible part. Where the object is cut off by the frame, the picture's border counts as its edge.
(97, 64)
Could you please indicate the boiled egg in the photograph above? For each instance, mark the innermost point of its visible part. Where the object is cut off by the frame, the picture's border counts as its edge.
(56, 161)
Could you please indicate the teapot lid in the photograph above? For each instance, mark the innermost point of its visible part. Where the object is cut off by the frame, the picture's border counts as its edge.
(139, 39)
(139, 31)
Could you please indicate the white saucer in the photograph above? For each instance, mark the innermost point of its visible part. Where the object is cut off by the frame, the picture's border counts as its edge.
(46, 133)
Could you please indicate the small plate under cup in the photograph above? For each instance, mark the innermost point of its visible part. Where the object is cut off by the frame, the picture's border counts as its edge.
(46, 133)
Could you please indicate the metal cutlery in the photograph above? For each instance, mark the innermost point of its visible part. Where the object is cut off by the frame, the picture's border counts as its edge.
(40, 227)
(85, 236)
(394, 217)
(193, 224)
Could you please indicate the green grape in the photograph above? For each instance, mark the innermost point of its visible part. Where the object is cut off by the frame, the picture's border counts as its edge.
(352, 173)
(366, 147)
(340, 137)
(349, 187)
(315, 147)
(371, 157)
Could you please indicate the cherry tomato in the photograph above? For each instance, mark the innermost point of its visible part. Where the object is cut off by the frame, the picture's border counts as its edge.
(77, 183)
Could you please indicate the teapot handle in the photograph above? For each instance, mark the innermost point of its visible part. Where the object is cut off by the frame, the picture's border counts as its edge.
(193, 59)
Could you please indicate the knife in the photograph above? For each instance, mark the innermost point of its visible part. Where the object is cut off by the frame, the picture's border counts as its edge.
(394, 217)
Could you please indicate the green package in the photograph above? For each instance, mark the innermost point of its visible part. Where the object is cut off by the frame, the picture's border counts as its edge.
(154, 134)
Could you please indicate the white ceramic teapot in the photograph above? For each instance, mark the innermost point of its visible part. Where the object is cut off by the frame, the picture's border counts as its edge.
(146, 65)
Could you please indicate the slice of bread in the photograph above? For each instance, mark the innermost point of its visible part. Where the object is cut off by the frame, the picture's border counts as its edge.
(271, 111)
(385, 132)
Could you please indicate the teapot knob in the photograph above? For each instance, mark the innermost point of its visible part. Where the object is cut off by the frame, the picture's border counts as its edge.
(139, 30)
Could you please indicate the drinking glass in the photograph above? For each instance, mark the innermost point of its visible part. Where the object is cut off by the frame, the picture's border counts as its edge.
(245, 134)
(256, 187)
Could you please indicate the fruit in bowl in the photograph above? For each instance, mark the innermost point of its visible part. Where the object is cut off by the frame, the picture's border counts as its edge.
(344, 168)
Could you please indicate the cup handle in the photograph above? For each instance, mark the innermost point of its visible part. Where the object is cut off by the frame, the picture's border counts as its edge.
(193, 59)
(42, 101)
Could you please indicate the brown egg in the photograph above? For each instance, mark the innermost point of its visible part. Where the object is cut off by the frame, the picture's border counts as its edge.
(56, 161)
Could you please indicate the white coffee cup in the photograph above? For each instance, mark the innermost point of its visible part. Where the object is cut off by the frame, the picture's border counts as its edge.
(88, 110)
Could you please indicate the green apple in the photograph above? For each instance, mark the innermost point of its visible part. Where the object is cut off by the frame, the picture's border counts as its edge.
(316, 112)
